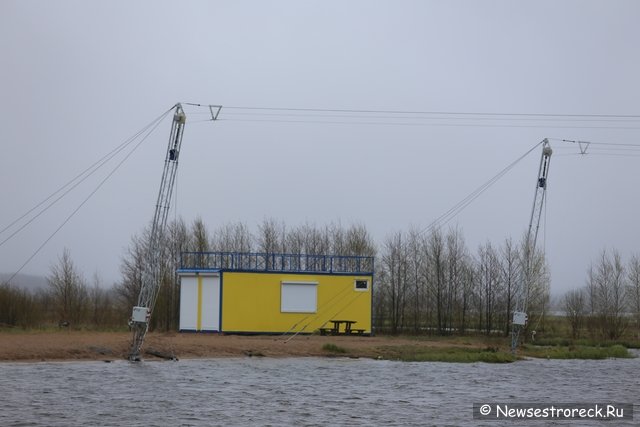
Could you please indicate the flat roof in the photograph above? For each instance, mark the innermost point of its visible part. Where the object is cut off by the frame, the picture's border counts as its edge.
(274, 262)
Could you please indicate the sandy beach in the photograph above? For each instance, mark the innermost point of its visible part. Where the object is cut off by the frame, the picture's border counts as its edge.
(86, 345)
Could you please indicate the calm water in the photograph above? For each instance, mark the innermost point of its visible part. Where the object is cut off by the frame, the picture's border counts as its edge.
(299, 391)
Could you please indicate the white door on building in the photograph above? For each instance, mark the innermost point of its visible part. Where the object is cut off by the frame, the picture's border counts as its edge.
(210, 320)
(200, 302)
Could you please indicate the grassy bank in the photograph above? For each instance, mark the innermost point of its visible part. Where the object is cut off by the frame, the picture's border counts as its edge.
(445, 354)
(494, 355)
(481, 349)
(588, 342)
(577, 352)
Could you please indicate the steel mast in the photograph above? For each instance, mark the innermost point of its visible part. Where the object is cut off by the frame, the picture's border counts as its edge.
(151, 279)
(520, 313)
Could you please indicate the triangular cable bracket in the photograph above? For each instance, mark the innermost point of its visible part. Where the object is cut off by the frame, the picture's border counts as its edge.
(583, 146)
(215, 111)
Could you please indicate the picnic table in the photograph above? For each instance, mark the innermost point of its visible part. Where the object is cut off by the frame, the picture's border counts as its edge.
(336, 329)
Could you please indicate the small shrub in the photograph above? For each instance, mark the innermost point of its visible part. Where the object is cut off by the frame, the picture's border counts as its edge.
(333, 348)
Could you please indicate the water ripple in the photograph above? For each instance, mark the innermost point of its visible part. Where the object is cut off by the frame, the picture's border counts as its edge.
(303, 391)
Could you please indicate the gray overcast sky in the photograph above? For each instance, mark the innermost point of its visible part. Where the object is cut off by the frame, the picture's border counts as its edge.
(80, 77)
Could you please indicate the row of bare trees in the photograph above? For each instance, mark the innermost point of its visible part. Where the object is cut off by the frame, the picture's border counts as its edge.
(609, 302)
(432, 283)
(424, 283)
(69, 299)
(20, 307)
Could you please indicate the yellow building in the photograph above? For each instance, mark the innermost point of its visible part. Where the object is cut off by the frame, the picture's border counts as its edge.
(275, 293)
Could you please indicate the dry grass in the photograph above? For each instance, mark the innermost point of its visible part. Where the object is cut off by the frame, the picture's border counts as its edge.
(83, 345)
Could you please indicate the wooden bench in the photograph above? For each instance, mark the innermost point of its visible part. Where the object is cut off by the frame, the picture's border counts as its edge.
(348, 330)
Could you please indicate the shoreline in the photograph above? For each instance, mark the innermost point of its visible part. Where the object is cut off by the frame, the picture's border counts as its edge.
(65, 345)
(36, 346)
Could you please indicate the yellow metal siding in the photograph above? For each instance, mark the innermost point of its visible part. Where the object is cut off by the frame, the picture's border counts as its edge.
(251, 302)
(199, 318)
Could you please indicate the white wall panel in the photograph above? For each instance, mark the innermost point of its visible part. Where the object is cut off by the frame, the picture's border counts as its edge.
(188, 303)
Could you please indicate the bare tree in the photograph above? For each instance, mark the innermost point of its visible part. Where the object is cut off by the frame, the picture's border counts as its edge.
(233, 237)
(467, 295)
(436, 280)
(606, 287)
(200, 241)
(394, 279)
(574, 309)
(457, 258)
(633, 290)
(271, 239)
(489, 281)
(416, 279)
(178, 240)
(358, 242)
(104, 310)
(316, 241)
(380, 299)
(131, 268)
(510, 268)
(69, 291)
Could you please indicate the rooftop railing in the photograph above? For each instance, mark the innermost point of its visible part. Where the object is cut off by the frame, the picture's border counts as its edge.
(292, 263)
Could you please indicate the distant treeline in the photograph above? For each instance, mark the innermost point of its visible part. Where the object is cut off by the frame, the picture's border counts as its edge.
(425, 283)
